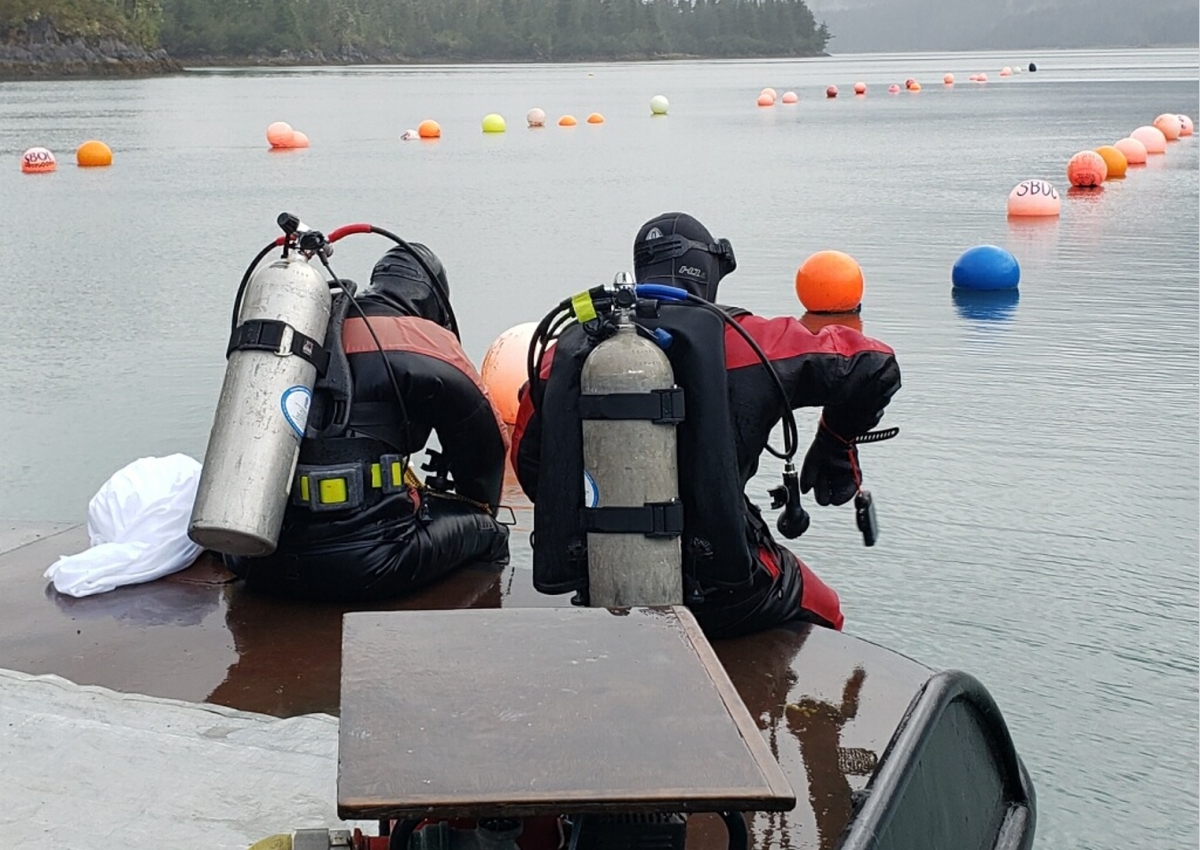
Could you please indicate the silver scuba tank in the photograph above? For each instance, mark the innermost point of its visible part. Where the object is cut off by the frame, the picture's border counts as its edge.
(629, 463)
(261, 416)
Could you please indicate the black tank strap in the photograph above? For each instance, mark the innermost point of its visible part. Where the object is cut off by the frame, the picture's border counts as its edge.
(661, 406)
(654, 519)
(268, 335)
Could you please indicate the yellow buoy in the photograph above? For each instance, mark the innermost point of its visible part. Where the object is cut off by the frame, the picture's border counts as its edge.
(1114, 159)
(493, 123)
(92, 153)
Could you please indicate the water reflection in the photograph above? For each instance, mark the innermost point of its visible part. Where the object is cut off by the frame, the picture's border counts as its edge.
(816, 322)
(164, 602)
(986, 305)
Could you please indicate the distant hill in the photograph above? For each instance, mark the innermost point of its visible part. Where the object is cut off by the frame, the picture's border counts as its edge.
(860, 26)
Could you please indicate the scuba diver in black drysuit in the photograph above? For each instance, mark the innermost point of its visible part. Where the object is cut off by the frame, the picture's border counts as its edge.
(737, 578)
(403, 376)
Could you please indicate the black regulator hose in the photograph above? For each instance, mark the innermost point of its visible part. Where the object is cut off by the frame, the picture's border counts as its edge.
(241, 292)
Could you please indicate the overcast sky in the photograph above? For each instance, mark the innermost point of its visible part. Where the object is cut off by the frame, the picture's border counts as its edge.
(883, 25)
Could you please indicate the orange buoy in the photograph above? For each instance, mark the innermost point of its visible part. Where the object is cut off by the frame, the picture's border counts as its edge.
(948, 79)
(595, 118)
(38, 161)
(504, 369)
(817, 322)
(790, 97)
(1034, 198)
(567, 121)
(1114, 160)
(1086, 168)
(1185, 126)
(93, 154)
(765, 99)
(1152, 137)
(831, 91)
(830, 282)
(1134, 151)
(1169, 125)
(915, 87)
(299, 140)
(860, 88)
(280, 134)
(429, 129)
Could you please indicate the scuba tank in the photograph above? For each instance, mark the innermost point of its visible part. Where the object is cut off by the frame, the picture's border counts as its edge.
(629, 463)
(274, 356)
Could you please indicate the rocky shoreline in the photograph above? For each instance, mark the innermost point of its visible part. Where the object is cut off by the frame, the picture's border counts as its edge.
(43, 53)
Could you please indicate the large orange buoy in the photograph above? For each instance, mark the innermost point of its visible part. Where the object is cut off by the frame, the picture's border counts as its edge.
(1114, 160)
(595, 118)
(830, 282)
(93, 154)
(429, 129)
(1087, 168)
(1134, 151)
(38, 161)
(1034, 198)
(1169, 125)
(1152, 138)
(567, 121)
(765, 99)
(504, 369)
(280, 134)
(915, 87)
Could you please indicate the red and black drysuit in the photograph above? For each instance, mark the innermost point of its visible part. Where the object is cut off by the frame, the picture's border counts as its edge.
(738, 579)
(400, 537)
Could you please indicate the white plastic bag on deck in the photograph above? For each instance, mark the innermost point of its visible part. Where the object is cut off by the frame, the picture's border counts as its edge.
(138, 524)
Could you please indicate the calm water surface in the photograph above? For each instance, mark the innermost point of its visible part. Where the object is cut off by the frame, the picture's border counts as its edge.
(1039, 512)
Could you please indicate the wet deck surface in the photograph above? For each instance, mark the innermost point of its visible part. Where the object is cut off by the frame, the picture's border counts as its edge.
(826, 703)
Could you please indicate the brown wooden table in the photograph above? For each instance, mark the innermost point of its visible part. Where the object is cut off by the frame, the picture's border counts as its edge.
(525, 712)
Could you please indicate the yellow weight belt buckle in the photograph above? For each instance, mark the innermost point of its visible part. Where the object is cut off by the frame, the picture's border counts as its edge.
(329, 488)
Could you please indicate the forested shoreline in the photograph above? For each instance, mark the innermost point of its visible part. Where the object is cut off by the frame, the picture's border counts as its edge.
(136, 36)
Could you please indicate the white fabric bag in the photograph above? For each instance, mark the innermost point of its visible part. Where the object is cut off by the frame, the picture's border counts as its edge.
(138, 524)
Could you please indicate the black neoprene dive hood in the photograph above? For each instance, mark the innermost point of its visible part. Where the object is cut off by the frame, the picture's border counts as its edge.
(677, 250)
(399, 280)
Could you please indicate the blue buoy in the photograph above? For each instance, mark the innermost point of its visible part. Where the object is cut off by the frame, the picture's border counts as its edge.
(986, 267)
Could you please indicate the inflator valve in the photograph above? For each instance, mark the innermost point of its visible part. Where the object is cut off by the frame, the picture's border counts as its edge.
(794, 520)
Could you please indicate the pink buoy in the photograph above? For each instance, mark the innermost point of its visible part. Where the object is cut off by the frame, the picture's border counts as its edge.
(299, 140)
(831, 91)
(1169, 125)
(981, 78)
(768, 90)
(893, 89)
(790, 97)
(1152, 138)
(908, 84)
(765, 99)
(1087, 168)
(38, 161)
(1034, 198)
(860, 88)
(1006, 71)
(1135, 151)
(948, 79)
(536, 117)
(1185, 126)
(280, 135)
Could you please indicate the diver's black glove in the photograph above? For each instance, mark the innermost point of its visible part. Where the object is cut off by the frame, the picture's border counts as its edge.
(830, 468)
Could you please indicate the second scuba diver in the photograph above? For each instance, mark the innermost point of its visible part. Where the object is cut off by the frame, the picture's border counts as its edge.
(407, 376)
(737, 578)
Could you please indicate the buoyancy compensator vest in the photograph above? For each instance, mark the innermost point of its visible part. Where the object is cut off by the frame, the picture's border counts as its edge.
(716, 541)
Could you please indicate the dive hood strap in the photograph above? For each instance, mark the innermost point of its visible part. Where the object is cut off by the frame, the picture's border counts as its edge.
(280, 338)
(663, 407)
(654, 519)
